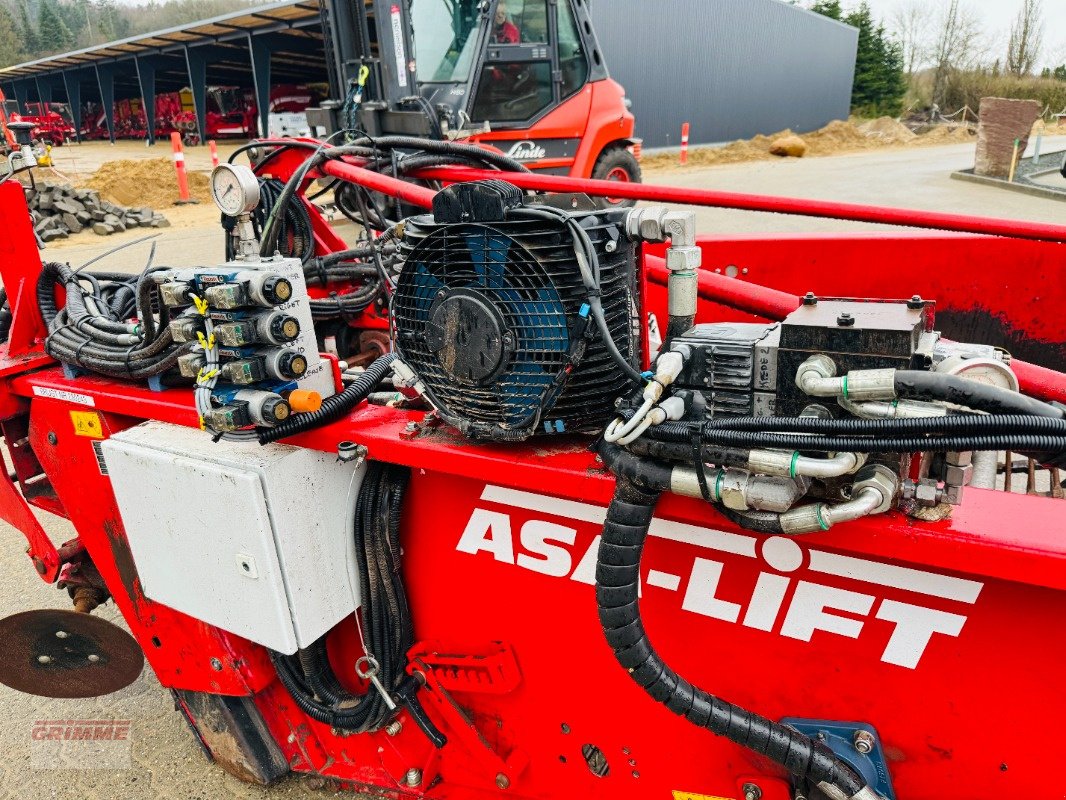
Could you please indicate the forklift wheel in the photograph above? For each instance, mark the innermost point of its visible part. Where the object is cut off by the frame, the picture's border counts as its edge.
(616, 164)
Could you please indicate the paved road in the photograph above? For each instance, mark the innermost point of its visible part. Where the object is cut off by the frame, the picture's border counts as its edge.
(165, 761)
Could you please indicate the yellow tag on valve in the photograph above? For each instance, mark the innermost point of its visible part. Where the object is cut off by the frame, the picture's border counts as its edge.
(87, 423)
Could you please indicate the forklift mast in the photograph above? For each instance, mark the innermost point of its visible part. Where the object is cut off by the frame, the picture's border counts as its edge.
(352, 40)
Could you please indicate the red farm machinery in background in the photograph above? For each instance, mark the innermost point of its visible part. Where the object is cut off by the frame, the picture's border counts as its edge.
(231, 113)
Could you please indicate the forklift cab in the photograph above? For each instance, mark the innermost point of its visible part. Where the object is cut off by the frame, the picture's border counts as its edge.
(526, 77)
(501, 62)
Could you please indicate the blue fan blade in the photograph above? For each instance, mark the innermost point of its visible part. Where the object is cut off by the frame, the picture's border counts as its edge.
(426, 287)
(489, 252)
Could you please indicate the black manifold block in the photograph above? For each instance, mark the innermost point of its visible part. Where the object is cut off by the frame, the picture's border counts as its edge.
(483, 201)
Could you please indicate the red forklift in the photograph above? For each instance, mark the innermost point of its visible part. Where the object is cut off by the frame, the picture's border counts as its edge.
(525, 76)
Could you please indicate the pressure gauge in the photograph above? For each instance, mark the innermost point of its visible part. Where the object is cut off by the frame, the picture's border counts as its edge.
(235, 189)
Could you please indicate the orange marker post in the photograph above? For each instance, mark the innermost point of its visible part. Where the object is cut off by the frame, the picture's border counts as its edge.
(638, 148)
(214, 152)
(179, 166)
(684, 144)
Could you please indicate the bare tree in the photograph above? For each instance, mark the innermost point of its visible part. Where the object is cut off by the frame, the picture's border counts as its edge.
(911, 23)
(1026, 38)
(958, 45)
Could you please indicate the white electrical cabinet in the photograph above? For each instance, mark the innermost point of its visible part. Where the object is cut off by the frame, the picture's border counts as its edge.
(256, 540)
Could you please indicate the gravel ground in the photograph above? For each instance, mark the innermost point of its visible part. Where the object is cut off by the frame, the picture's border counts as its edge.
(165, 762)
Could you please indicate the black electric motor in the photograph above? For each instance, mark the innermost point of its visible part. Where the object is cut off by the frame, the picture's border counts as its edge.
(492, 313)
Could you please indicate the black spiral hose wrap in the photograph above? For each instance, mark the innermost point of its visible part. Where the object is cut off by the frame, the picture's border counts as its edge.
(617, 578)
(333, 408)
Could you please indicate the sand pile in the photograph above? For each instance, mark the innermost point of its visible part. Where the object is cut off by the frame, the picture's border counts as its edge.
(946, 134)
(150, 182)
(835, 138)
(887, 129)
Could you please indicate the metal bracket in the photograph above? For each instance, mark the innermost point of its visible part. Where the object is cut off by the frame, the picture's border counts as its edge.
(855, 743)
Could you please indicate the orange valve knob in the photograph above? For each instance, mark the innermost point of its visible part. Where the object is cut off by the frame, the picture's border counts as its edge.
(304, 401)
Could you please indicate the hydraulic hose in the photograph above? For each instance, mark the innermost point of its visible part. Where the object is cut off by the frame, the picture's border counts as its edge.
(956, 424)
(333, 408)
(617, 579)
(386, 619)
(857, 444)
(918, 385)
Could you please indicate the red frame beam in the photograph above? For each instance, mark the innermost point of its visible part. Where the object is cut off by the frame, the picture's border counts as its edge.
(416, 195)
(1018, 229)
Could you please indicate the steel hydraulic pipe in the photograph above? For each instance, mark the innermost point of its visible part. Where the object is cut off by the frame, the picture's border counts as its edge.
(750, 297)
(404, 190)
(1018, 229)
(1036, 381)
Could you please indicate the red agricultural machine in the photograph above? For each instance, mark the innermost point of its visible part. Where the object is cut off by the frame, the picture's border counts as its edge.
(231, 113)
(583, 504)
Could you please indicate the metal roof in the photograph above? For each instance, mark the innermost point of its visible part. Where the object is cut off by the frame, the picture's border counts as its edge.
(284, 18)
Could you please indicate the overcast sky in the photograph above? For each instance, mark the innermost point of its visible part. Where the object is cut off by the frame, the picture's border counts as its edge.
(997, 16)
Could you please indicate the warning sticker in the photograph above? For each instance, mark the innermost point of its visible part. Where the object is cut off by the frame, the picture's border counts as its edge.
(63, 394)
(87, 423)
(679, 795)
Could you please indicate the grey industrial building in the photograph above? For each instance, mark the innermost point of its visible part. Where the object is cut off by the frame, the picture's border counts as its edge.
(731, 68)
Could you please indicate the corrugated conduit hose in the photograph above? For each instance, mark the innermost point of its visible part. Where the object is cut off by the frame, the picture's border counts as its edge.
(617, 577)
(333, 408)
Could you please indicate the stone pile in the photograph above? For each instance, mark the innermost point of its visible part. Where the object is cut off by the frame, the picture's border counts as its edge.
(59, 209)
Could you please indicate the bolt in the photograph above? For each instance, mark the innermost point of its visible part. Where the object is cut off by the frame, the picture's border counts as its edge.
(52, 439)
(845, 320)
(502, 781)
(394, 727)
(751, 791)
(44, 659)
(62, 634)
(611, 246)
(810, 299)
(413, 777)
(93, 658)
(410, 427)
(915, 302)
(864, 742)
(216, 665)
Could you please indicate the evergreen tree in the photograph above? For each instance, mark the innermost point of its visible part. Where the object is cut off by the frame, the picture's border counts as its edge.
(113, 23)
(829, 8)
(31, 43)
(54, 35)
(879, 66)
(11, 51)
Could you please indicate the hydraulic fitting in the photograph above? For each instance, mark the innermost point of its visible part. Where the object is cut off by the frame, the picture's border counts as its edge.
(683, 257)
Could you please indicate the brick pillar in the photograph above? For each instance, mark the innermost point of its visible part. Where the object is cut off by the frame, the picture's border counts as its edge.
(1000, 122)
